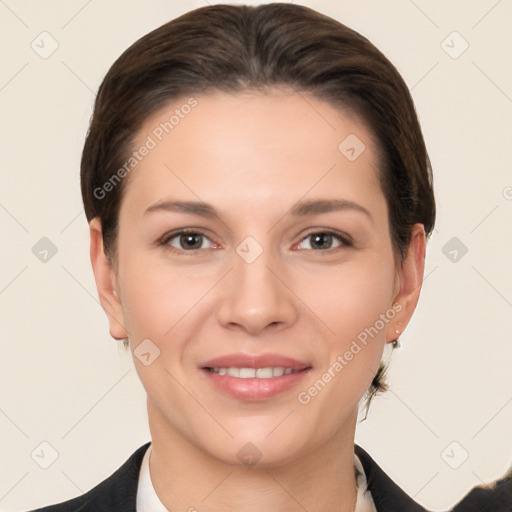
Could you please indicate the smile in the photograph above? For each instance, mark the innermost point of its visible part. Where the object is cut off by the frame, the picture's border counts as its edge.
(255, 384)
(253, 373)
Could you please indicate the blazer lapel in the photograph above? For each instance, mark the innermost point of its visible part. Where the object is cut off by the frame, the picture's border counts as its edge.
(117, 493)
(388, 497)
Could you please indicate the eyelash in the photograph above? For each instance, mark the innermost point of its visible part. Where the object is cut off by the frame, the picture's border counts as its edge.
(345, 240)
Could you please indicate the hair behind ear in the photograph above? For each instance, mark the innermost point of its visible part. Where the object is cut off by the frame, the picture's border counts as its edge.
(379, 385)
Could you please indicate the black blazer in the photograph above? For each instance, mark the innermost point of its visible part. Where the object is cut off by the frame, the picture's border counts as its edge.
(494, 497)
(118, 492)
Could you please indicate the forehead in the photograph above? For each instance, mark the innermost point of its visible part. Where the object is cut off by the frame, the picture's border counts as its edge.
(252, 146)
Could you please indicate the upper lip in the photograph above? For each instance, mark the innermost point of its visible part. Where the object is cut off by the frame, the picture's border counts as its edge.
(242, 360)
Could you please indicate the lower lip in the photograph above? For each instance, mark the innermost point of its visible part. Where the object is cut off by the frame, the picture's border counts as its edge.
(255, 389)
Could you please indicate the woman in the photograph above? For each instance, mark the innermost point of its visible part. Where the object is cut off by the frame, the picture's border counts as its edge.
(259, 197)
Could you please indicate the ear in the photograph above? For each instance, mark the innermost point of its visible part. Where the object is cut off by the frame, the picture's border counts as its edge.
(105, 278)
(409, 281)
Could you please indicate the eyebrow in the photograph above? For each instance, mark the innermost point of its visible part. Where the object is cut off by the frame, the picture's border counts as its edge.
(300, 209)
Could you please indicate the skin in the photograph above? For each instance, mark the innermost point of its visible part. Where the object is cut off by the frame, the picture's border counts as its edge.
(253, 156)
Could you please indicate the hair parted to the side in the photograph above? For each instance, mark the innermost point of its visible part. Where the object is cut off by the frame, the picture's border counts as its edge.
(234, 48)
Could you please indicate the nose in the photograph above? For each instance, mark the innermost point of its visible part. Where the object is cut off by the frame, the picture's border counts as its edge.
(256, 296)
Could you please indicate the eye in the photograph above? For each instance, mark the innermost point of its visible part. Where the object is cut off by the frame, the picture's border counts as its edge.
(187, 240)
(325, 240)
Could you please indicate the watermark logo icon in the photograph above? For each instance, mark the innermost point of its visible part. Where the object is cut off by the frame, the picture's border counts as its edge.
(146, 352)
(44, 45)
(454, 45)
(351, 147)
(249, 249)
(44, 250)
(454, 249)
(44, 455)
(249, 454)
(455, 455)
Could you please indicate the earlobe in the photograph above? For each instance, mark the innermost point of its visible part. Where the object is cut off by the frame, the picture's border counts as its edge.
(410, 277)
(104, 276)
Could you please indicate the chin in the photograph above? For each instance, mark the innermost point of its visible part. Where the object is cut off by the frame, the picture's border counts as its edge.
(260, 450)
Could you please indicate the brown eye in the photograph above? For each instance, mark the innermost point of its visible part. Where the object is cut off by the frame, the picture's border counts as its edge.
(187, 241)
(324, 240)
(191, 241)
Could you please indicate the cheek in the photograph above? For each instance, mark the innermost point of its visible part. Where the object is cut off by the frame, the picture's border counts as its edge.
(351, 297)
(164, 303)
(355, 302)
(144, 306)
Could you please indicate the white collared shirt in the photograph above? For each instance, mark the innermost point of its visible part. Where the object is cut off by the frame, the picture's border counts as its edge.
(148, 501)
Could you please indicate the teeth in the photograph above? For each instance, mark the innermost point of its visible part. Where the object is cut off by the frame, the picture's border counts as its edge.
(252, 373)
(247, 373)
(264, 373)
(234, 372)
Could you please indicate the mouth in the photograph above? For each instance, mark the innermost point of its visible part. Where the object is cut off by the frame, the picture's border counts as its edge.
(254, 378)
(255, 373)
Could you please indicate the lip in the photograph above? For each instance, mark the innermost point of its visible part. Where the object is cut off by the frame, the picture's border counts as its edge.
(241, 360)
(255, 389)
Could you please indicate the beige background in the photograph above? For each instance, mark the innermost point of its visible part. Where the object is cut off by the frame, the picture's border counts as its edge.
(62, 378)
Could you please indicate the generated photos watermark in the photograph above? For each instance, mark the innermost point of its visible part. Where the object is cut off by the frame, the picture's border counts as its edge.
(305, 397)
(157, 135)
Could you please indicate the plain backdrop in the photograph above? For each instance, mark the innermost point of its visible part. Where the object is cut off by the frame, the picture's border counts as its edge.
(446, 423)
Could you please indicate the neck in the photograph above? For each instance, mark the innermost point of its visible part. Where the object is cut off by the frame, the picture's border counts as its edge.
(188, 478)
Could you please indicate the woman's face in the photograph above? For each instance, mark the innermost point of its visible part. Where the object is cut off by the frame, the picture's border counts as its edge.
(287, 264)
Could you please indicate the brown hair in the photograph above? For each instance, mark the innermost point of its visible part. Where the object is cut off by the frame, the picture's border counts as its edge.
(236, 48)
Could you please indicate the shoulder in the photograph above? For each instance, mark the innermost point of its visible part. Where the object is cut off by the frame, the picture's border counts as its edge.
(389, 497)
(118, 492)
(386, 494)
(493, 497)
